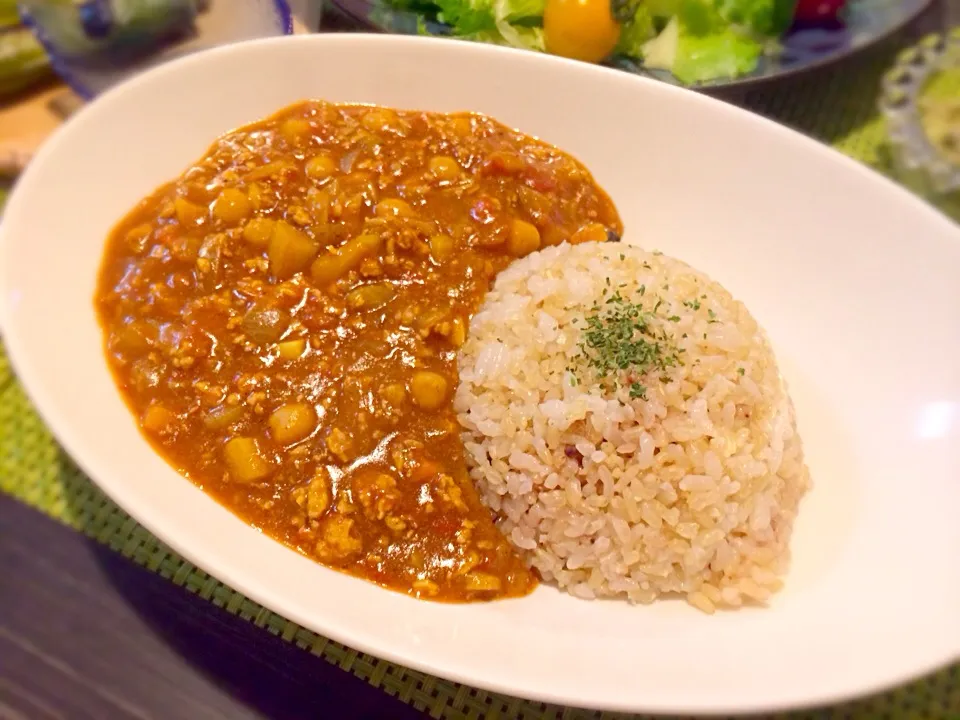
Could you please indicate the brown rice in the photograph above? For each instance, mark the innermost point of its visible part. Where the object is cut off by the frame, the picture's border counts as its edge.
(692, 490)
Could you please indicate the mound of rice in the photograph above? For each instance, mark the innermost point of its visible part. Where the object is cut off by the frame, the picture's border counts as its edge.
(691, 489)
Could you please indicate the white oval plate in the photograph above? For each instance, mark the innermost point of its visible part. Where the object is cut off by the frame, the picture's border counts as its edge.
(857, 282)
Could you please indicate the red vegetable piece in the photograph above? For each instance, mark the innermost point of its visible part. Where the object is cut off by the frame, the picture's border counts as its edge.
(813, 11)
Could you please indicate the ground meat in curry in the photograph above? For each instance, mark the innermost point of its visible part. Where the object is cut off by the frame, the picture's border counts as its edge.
(284, 321)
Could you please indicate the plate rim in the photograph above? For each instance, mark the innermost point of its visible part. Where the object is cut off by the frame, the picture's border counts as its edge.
(38, 393)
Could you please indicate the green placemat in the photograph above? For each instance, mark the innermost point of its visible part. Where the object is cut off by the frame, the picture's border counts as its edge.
(837, 107)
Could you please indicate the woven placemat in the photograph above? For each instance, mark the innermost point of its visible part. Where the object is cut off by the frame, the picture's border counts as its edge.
(836, 107)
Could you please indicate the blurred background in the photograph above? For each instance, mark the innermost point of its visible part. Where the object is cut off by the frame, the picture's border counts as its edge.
(57, 54)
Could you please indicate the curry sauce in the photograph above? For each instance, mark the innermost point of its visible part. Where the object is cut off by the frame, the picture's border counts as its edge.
(284, 319)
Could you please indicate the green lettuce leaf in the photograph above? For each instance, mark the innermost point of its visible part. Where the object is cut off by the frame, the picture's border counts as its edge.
(468, 17)
(662, 8)
(634, 33)
(522, 10)
(697, 57)
(505, 22)
(762, 17)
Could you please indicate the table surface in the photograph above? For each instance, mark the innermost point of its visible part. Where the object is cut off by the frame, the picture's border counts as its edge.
(87, 633)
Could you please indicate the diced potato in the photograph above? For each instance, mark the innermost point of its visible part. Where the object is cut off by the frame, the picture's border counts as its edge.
(524, 238)
(231, 206)
(327, 269)
(265, 322)
(458, 334)
(318, 496)
(298, 215)
(504, 163)
(245, 461)
(394, 207)
(292, 422)
(137, 237)
(158, 419)
(461, 126)
(428, 389)
(444, 168)
(269, 170)
(318, 202)
(257, 231)
(290, 251)
(425, 588)
(255, 194)
(430, 318)
(370, 297)
(188, 213)
(292, 349)
(481, 582)
(536, 204)
(394, 393)
(594, 232)
(134, 337)
(441, 248)
(320, 167)
(331, 267)
(223, 417)
(145, 373)
(554, 235)
(358, 248)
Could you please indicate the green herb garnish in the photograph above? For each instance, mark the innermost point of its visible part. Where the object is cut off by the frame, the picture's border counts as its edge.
(622, 341)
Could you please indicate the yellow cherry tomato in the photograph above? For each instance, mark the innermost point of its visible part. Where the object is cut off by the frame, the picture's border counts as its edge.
(580, 29)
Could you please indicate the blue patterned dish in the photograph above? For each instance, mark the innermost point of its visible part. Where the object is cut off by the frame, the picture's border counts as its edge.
(94, 44)
(801, 48)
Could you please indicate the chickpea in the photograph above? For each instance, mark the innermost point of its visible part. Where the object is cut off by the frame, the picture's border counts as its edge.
(429, 389)
(524, 238)
(188, 213)
(441, 248)
(444, 168)
(292, 422)
(320, 167)
(481, 582)
(294, 129)
(157, 419)
(394, 207)
(231, 206)
(379, 119)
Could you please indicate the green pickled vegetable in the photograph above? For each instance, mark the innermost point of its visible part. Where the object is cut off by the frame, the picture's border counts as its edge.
(9, 16)
(23, 61)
